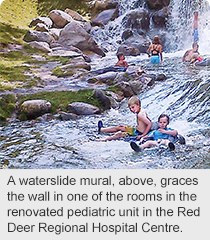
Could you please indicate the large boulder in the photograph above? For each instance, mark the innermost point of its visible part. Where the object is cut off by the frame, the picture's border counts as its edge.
(137, 19)
(35, 108)
(104, 17)
(137, 41)
(136, 86)
(74, 35)
(128, 50)
(81, 108)
(106, 77)
(76, 62)
(45, 20)
(32, 35)
(126, 89)
(75, 15)
(55, 32)
(160, 18)
(60, 18)
(101, 5)
(64, 53)
(41, 27)
(157, 4)
(98, 94)
(43, 46)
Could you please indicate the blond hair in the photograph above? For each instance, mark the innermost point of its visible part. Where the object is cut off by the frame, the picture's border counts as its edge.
(134, 100)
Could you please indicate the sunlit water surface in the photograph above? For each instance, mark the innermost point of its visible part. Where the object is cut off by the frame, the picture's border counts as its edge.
(74, 144)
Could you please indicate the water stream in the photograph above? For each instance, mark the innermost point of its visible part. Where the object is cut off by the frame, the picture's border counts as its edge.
(184, 96)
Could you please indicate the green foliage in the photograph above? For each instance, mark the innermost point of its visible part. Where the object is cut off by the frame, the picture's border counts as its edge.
(61, 72)
(45, 6)
(115, 89)
(18, 12)
(10, 34)
(7, 106)
(60, 99)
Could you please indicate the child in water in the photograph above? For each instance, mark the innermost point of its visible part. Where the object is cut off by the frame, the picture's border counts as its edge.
(156, 50)
(121, 61)
(143, 123)
(163, 135)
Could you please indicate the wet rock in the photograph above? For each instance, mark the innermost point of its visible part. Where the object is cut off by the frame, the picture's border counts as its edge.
(81, 108)
(32, 35)
(67, 116)
(137, 19)
(86, 58)
(157, 4)
(98, 94)
(136, 86)
(75, 15)
(64, 53)
(107, 77)
(45, 20)
(55, 32)
(41, 46)
(126, 89)
(128, 50)
(41, 27)
(137, 41)
(34, 108)
(147, 79)
(160, 18)
(134, 71)
(76, 62)
(46, 117)
(104, 17)
(121, 77)
(85, 25)
(60, 18)
(104, 4)
(161, 77)
(127, 33)
(74, 35)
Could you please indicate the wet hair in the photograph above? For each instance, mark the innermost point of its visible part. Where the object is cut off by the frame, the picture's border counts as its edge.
(119, 55)
(134, 100)
(195, 44)
(162, 116)
(156, 40)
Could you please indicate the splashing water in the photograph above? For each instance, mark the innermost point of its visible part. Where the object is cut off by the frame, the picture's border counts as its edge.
(179, 28)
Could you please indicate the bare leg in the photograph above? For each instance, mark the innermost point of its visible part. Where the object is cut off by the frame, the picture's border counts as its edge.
(113, 129)
(114, 137)
(195, 23)
(148, 144)
(195, 26)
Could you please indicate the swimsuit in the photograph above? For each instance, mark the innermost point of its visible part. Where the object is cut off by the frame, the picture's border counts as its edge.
(131, 131)
(195, 35)
(156, 135)
(155, 59)
(155, 56)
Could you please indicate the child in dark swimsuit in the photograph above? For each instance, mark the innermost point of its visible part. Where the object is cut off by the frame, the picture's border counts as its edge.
(156, 51)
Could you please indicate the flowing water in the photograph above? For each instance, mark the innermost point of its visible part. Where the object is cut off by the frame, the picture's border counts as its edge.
(184, 96)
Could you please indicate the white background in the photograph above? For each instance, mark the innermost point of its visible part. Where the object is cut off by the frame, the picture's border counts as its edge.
(192, 227)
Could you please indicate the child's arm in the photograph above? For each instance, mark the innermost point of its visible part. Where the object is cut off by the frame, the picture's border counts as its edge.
(125, 64)
(186, 53)
(170, 132)
(149, 49)
(161, 55)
